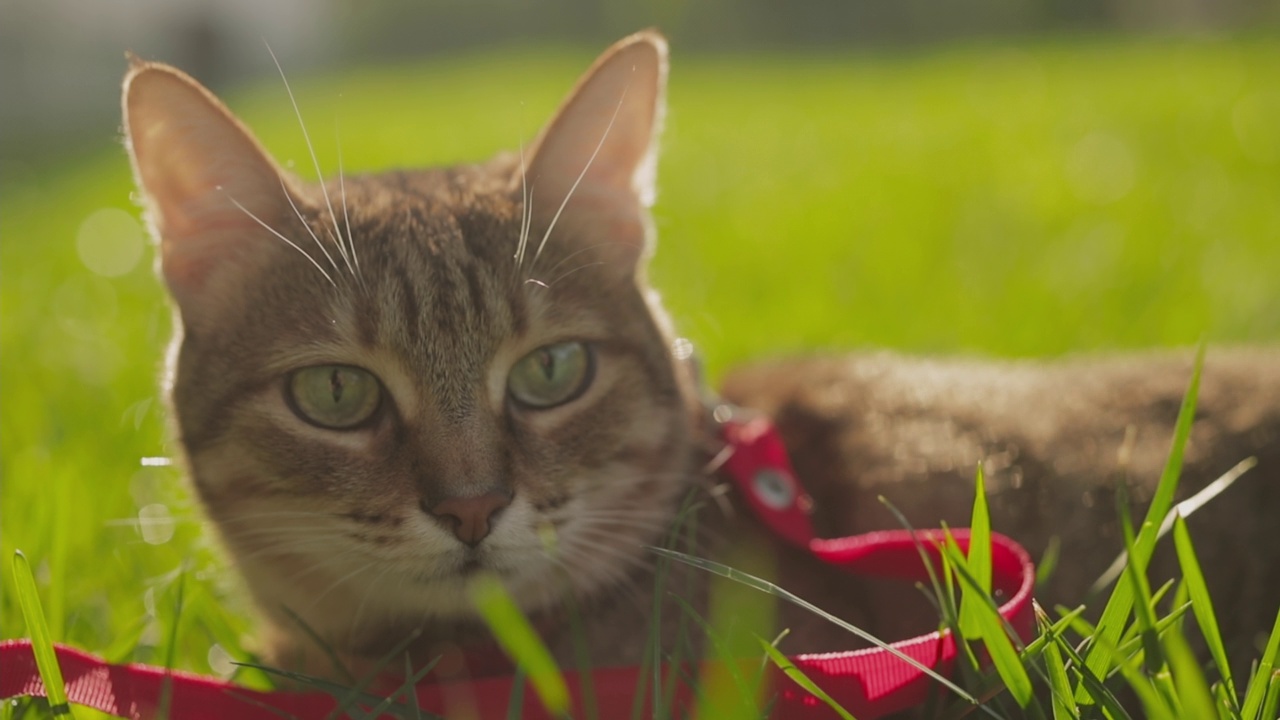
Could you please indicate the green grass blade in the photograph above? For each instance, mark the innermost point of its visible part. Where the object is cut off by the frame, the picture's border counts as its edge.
(1048, 561)
(1118, 607)
(943, 598)
(332, 655)
(954, 563)
(1155, 704)
(798, 677)
(255, 702)
(166, 689)
(978, 563)
(586, 680)
(1193, 693)
(990, 626)
(716, 694)
(1185, 508)
(407, 689)
(411, 692)
(1144, 609)
(357, 691)
(1271, 706)
(1228, 707)
(1258, 685)
(41, 645)
(1201, 604)
(1063, 698)
(991, 683)
(1091, 684)
(517, 637)
(347, 698)
(515, 704)
(772, 589)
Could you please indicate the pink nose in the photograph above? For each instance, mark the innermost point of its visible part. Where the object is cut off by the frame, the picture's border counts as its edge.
(468, 517)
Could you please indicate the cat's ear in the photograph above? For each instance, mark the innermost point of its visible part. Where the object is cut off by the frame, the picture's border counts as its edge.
(606, 132)
(204, 179)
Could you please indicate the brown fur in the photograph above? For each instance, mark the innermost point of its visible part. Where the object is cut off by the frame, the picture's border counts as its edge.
(437, 282)
(1055, 439)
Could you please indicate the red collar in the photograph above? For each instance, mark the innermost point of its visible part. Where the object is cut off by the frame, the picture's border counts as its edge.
(868, 683)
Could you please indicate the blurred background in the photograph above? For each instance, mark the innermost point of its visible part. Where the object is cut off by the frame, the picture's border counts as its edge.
(1022, 178)
(60, 58)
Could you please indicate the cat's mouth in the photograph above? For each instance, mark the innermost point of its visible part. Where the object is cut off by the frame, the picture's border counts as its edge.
(471, 564)
(468, 563)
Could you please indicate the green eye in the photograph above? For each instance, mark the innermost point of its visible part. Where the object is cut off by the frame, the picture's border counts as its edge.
(551, 375)
(334, 396)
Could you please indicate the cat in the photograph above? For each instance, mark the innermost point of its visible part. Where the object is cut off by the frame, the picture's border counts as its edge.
(1055, 440)
(385, 385)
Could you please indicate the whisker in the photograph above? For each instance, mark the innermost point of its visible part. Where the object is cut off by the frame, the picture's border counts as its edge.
(371, 587)
(291, 548)
(621, 522)
(620, 551)
(307, 225)
(581, 564)
(296, 547)
(314, 160)
(346, 219)
(574, 254)
(636, 594)
(573, 188)
(251, 532)
(291, 244)
(260, 514)
(609, 533)
(588, 513)
(567, 274)
(524, 210)
(277, 514)
(332, 586)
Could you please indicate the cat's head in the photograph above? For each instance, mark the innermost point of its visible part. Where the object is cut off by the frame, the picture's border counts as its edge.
(383, 383)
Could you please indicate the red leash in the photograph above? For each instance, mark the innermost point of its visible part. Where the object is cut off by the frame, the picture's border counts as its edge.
(869, 683)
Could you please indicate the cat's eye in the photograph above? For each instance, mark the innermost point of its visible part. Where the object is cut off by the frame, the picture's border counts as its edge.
(338, 397)
(552, 375)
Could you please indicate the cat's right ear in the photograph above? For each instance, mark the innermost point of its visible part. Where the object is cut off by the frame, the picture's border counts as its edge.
(204, 179)
(600, 148)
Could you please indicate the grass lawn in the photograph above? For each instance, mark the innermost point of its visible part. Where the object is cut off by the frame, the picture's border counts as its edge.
(1013, 200)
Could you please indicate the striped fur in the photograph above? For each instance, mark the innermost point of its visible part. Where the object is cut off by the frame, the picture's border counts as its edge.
(437, 281)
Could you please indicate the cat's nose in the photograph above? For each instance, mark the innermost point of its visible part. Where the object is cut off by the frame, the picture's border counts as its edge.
(468, 517)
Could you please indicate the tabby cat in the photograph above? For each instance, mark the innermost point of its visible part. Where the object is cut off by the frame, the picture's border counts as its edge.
(384, 385)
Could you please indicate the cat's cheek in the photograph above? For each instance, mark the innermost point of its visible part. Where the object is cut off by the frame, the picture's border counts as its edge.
(222, 475)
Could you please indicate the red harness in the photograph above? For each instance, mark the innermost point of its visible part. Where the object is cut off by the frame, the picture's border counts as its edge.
(869, 683)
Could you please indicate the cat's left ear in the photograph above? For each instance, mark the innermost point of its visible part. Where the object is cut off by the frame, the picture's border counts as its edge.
(210, 189)
(603, 140)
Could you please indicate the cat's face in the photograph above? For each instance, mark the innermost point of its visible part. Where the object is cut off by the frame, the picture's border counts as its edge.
(386, 383)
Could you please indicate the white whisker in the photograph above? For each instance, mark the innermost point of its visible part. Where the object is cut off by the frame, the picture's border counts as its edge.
(370, 588)
(567, 274)
(573, 188)
(346, 219)
(291, 244)
(284, 189)
(524, 211)
(276, 514)
(638, 523)
(587, 513)
(287, 547)
(575, 254)
(363, 567)
(314, 160)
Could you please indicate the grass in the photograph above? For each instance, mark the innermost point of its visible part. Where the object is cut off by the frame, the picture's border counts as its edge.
(1013, 200)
